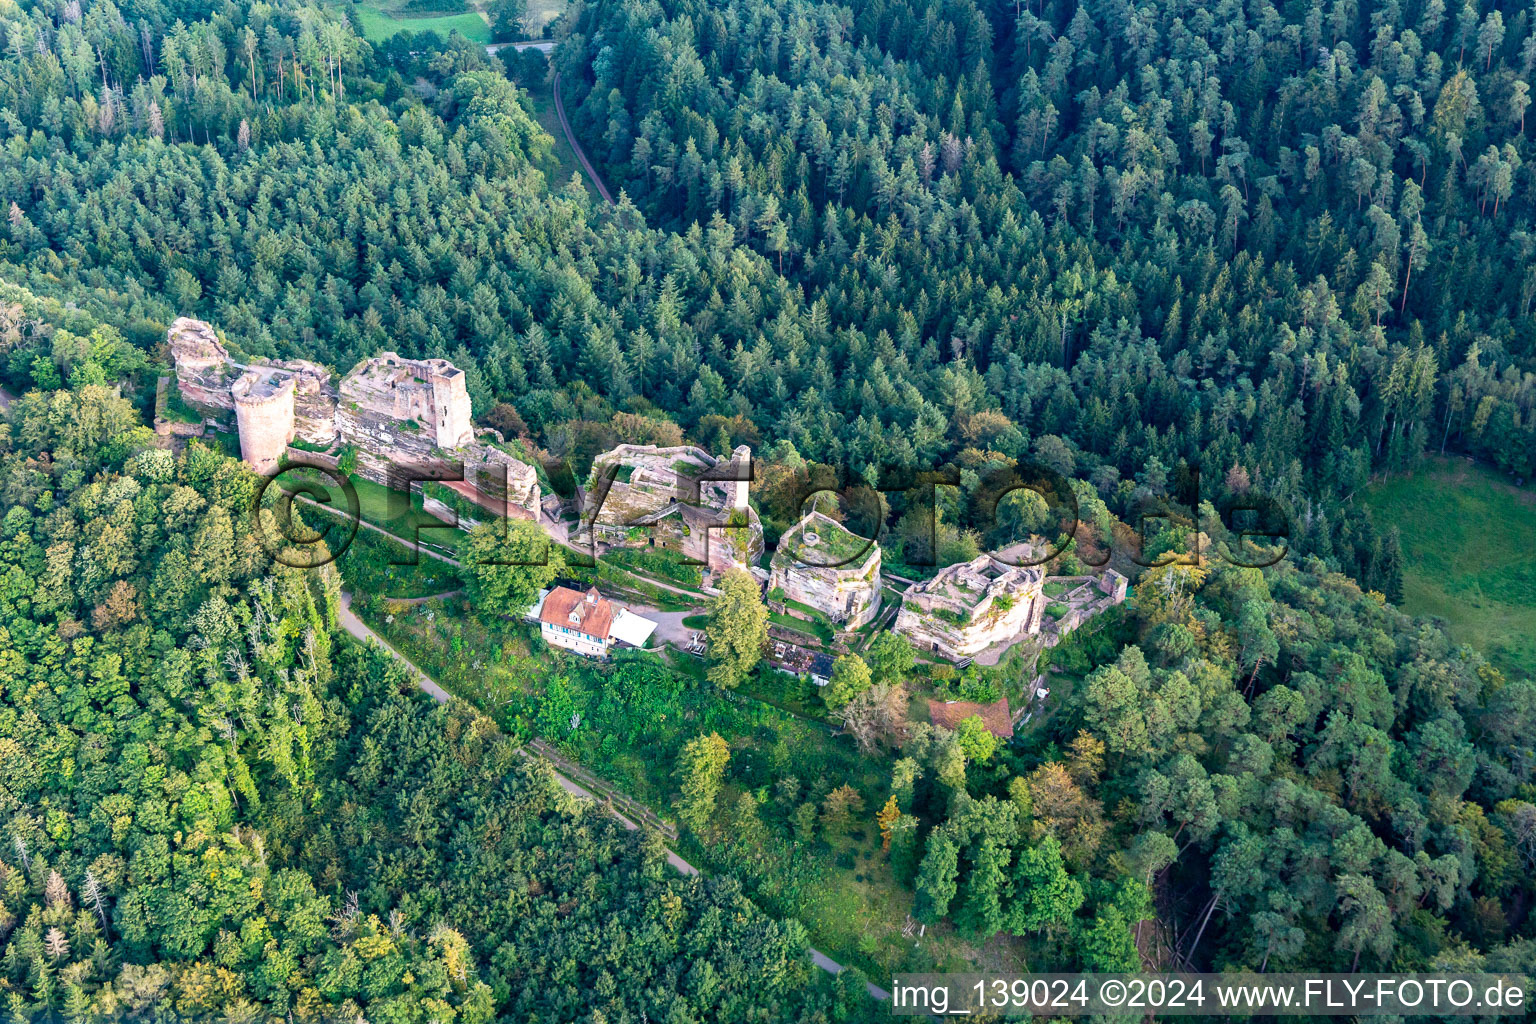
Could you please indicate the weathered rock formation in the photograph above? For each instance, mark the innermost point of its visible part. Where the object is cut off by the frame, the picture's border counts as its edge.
(970, 606)
(210, 381)
(821, 564)
(680, 498)
(204, 371)
(314, 402)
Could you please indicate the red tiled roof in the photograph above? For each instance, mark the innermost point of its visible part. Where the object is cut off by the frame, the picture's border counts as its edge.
(594, 617)
(994, 716)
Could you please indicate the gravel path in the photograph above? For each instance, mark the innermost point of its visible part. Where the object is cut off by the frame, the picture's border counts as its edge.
(581, 155)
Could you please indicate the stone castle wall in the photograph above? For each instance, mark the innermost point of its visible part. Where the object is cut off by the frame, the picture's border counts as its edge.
(971, 606)
(399, 414)
(659, 498)
(739, 491)
(204, 371)
(450, 404)
(847, 598)
(987, 626)
(407, 408)
(848, 594)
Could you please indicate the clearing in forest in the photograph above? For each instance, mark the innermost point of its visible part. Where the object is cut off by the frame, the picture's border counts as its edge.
(379, 25)
(1469, 554)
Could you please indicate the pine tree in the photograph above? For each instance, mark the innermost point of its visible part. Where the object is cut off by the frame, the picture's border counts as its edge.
(56, 893)
(700, 772)
(1044, 895)
(981, 907)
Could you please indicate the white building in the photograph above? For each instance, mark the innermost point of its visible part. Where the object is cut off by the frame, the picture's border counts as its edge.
(588, 623)
(576, 621)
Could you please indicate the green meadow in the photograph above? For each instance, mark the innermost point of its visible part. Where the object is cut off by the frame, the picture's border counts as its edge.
(1469, 553)
(379, 25)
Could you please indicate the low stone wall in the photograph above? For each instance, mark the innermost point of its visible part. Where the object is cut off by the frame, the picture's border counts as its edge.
(303, 456)
(167, 427)
(170, 428)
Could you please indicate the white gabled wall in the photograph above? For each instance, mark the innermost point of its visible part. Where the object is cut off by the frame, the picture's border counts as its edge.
(581, 643)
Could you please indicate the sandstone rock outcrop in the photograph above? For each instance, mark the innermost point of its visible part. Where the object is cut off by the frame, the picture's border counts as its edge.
(204, 371)
(680, 497)
(972, 605)
(821, 564)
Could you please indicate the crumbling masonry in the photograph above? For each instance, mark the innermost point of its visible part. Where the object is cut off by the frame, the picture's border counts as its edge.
(820, 564)
(680, 498)
(399, 415)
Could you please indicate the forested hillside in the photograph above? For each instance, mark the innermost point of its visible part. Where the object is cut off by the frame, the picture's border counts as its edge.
(1288, 246)
(1286, 239)
(214, 805)
(1121, 240)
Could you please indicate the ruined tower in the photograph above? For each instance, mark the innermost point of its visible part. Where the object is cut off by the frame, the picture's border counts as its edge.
(450, 404)
(264, 413)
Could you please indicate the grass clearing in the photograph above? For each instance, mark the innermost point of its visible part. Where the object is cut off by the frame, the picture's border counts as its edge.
(665, 564)
(379, 505)
(379, 26)
(1469, 554)
(486, 664)
(372, 568)
(812, 631)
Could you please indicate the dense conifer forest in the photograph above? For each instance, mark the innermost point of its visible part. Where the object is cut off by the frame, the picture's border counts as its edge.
(1286, 246)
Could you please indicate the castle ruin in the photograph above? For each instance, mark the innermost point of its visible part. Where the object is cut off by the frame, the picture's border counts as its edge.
(820, 564)
(970, 606)
(680, 498)
(399, 415)
(986, 602)
(264, 416)
(427, 396)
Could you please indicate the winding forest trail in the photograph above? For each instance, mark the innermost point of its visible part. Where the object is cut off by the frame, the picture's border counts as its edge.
(359, 629)
(581, 154)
